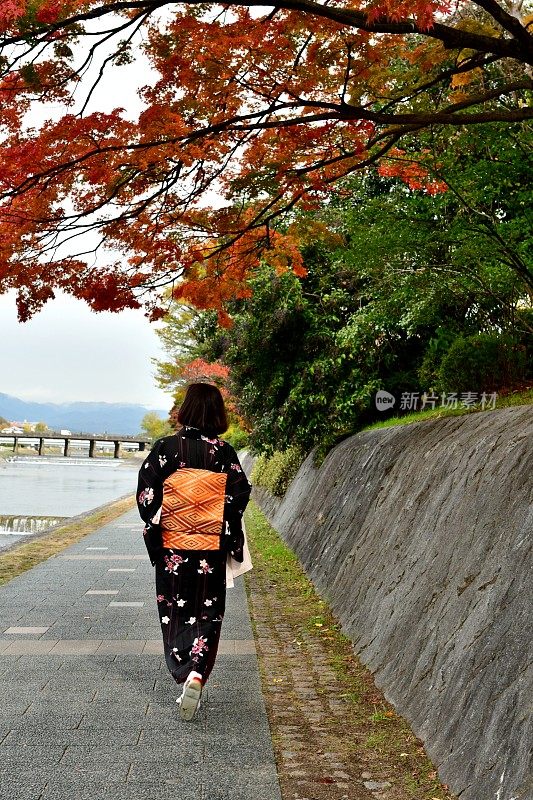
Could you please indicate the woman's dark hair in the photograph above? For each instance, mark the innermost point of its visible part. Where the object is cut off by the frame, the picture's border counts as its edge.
(203, 407)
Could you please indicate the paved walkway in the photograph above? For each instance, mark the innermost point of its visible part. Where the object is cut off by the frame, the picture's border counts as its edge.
(86, 702)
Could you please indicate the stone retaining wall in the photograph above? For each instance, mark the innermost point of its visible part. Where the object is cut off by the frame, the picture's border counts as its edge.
(420, 537)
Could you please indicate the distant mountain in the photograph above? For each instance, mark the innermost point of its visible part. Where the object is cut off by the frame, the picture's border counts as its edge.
(121, 418)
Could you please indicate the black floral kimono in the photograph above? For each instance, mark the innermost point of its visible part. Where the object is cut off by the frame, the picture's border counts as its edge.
(191, 495)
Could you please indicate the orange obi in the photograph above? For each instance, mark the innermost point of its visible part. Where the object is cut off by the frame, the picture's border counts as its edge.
(193, 509)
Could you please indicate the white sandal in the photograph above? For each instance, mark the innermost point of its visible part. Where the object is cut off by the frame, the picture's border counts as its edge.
(189, 700)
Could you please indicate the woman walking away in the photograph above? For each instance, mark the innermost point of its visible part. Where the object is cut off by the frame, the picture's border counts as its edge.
(191, 495)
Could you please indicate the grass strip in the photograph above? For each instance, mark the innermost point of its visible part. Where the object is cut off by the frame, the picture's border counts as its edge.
(372, 738)
(28, 554)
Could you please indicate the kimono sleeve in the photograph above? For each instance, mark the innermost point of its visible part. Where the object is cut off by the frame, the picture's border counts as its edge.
(150, 498)
(238, 490)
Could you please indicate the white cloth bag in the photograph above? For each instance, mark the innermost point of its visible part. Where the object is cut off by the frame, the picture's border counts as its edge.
(236, 568)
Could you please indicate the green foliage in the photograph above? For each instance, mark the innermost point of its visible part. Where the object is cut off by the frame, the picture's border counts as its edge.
(178, 339)
(436, 349)
(275, 472)
(395, 278)
(481, 363)
(236, 437)
(155, 427)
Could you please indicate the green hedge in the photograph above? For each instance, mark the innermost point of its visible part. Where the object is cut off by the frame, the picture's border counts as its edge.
(484, 362)
(236, 437)
(276, 472)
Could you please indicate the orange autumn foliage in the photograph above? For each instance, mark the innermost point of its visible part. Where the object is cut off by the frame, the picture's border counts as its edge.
(247, 113)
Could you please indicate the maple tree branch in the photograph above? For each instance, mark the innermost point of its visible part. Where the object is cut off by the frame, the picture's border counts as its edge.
(347, 73)
(506, 20)
(33, 180)
(440, 118)
(137, 21)
(342, 111)
(477, 61)
(520, 48)
(302, 50)
(492, 94)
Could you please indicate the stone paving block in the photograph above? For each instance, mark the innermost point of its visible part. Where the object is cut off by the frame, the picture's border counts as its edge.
(142, 630)
(98, 663)
(56, 790)
(102, 557)
(165, 765)
(103, 719)
(52, 719)
(88, 773)
(247, 661)
(149, 662)
(134, 691)
(14, 706)
(11, 617)
(30, 629)
(169, 789)
(29, 647)
(70, 680)
(153, 646)
(133, 676)
(116, 631)
(233, 675)
(121, 569)
(167, 710)
(226, 647)
(26, 788)
(70, 631)
(253, 787)
(76, 647)
(79, 695)
(250, 716)
(15, 686)
(122, 647)
(112, 692)
(17, 756)
(126, 604)
(40, 707)
(232, 696)
(244, 647)
(37, 618)
(176, 732)
(67, 737)
(145, 669)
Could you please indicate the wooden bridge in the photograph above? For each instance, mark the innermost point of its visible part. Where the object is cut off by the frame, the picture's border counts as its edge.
(38, 440)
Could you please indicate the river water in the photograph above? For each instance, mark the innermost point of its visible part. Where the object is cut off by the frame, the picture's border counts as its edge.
(32, 487)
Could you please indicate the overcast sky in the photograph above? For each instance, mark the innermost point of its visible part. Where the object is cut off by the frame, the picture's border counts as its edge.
(67, 352)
